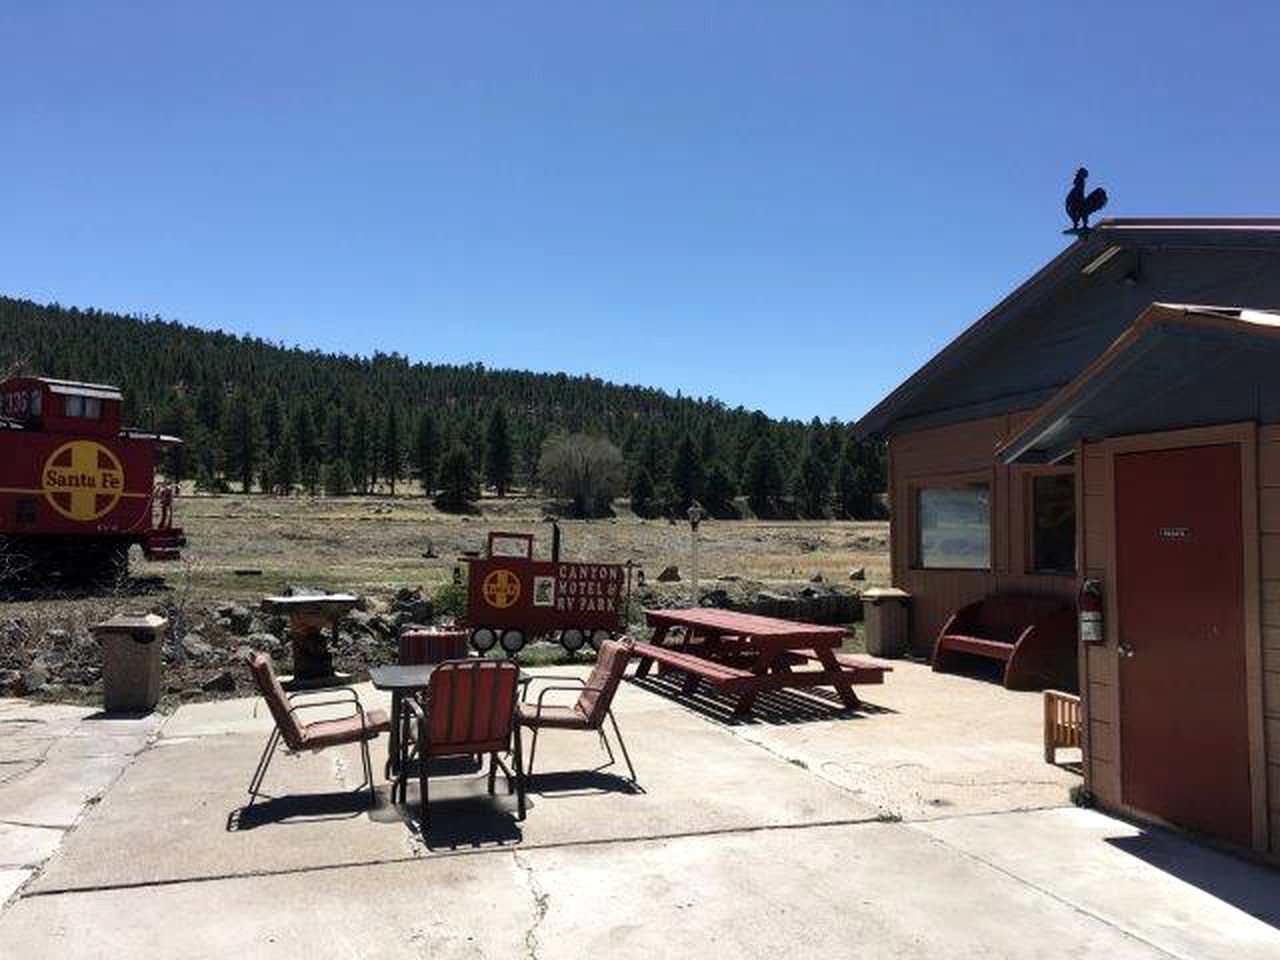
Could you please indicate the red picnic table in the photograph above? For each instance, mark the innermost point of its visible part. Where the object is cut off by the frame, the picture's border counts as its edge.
(745, 654)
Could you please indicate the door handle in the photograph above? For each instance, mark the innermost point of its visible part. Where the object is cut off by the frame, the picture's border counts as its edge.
(1124, 650)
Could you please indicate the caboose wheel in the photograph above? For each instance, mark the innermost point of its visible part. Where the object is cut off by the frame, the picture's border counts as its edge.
(598, 637)
(572, 639)
(483, 639)
(513, 641)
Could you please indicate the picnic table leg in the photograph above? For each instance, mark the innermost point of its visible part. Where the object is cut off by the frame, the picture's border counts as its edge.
(659, 634)
(711, 647)
(839, 679)
(762, 666)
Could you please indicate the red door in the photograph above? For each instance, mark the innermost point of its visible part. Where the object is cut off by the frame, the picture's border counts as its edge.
(1180, 590)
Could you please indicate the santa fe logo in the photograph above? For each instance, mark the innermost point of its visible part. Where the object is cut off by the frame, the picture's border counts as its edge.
(82, 480)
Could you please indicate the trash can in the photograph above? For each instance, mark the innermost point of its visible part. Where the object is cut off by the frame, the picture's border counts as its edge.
(131, 661)
(432, 644)
(885, 611)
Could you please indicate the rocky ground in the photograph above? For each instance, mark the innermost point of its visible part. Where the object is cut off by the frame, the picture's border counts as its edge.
(206, 646)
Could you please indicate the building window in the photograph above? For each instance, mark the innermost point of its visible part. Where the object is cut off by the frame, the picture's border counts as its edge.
(954, 527)
(1053, 523)
(89, 408)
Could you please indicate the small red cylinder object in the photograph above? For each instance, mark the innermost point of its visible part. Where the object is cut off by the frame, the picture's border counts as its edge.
(418, 646)
(1089, 609)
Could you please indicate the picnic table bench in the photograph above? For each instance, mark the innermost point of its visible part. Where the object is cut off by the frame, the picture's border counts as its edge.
(747, 655)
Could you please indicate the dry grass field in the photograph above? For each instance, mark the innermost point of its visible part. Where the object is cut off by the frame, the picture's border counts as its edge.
(377, 544)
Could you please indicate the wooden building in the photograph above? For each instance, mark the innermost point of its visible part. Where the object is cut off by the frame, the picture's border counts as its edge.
(1100, 422)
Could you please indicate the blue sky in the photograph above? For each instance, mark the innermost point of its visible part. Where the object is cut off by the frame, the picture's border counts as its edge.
(788, 206)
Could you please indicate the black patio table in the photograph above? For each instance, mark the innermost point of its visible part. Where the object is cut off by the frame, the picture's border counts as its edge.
(405, 679)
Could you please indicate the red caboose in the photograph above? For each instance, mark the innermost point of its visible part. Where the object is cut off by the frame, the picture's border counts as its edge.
(76, 490)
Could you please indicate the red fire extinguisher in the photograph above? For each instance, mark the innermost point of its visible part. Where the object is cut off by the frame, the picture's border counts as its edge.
(1089, 606)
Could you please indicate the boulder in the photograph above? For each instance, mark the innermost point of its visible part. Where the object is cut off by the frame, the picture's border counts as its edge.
(34, 678)
(669, 574)
(266, 642)
(195, 647)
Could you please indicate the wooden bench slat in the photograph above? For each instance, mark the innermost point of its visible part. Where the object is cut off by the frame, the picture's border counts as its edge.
(690, 663)
(995, 649)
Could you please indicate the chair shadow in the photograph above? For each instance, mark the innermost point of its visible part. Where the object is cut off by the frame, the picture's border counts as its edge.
(562, 784)
(300, 808)
(1245, 885)
(774, 708)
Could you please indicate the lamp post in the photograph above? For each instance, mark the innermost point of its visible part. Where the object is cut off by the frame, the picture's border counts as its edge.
(696, 513)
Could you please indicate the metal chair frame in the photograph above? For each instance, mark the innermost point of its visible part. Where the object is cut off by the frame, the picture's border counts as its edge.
(421, 714)
(273, 741)
(598, 727)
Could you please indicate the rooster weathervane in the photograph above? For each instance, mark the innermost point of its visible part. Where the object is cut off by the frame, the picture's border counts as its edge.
(1079, 204)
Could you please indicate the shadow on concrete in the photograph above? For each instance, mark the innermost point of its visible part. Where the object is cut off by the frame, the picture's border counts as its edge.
(775, 708)
(558, 784)
(302, 808)
(1247, 886)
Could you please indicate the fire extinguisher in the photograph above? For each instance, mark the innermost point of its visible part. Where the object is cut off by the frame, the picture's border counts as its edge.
(1089, 606)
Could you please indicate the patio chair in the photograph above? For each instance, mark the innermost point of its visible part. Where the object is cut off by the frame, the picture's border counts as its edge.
(357, 727)
(469, 710)
(594, 704)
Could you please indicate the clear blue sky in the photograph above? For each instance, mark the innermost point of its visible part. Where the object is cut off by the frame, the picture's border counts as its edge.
(785, 205)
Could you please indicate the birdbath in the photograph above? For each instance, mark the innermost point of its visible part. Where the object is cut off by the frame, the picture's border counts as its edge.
(308, 616)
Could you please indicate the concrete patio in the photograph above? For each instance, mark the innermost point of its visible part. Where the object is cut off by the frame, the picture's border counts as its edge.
(925, 824)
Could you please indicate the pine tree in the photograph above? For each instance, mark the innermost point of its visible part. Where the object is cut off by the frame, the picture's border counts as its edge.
(686, 475)
(718, 494)
(337, 478)
(847, 484)
(762, 477)
(284, 472)
(303, 428)
(641, 492)
(179, 421)
(242, 445)
(335, 437)
(426, 452)
(457, 481)
(499, 465)
(392, 449)
(811, 482)
(311, 476)
(360, 450)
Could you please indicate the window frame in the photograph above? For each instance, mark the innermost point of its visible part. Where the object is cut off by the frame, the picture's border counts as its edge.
(1029, 520)
(982, 480)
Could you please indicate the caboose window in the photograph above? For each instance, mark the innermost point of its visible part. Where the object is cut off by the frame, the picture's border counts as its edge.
(88, 408)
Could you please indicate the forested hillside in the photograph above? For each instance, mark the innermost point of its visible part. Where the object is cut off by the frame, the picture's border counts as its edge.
(281, 420)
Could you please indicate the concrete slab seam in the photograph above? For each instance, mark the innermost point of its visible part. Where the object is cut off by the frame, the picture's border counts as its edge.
(1075, 907)
(386, 861)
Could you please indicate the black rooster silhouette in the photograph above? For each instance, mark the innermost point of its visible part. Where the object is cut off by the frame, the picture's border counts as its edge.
(1080, 205)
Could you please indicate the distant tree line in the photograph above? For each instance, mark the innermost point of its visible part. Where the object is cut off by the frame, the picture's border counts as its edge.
(258, 416)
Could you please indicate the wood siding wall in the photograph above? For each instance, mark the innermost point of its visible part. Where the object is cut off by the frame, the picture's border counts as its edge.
(962, 453)
(1098, 666)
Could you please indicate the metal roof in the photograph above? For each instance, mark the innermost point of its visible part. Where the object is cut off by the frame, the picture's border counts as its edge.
(102, 391)
(1086, 252)
(1177, 365)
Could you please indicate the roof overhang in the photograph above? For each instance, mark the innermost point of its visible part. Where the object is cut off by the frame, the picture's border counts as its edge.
(1087, 254)
(1145, 381)
(101, 391)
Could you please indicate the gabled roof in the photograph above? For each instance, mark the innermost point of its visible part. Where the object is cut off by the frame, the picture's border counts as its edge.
(1086, 254)
(1178, 365)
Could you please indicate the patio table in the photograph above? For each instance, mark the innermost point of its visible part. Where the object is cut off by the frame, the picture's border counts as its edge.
(404, 680)
(746, 654)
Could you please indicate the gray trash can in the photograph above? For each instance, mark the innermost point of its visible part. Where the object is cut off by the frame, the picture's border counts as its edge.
(131, 661)
(886, 611)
